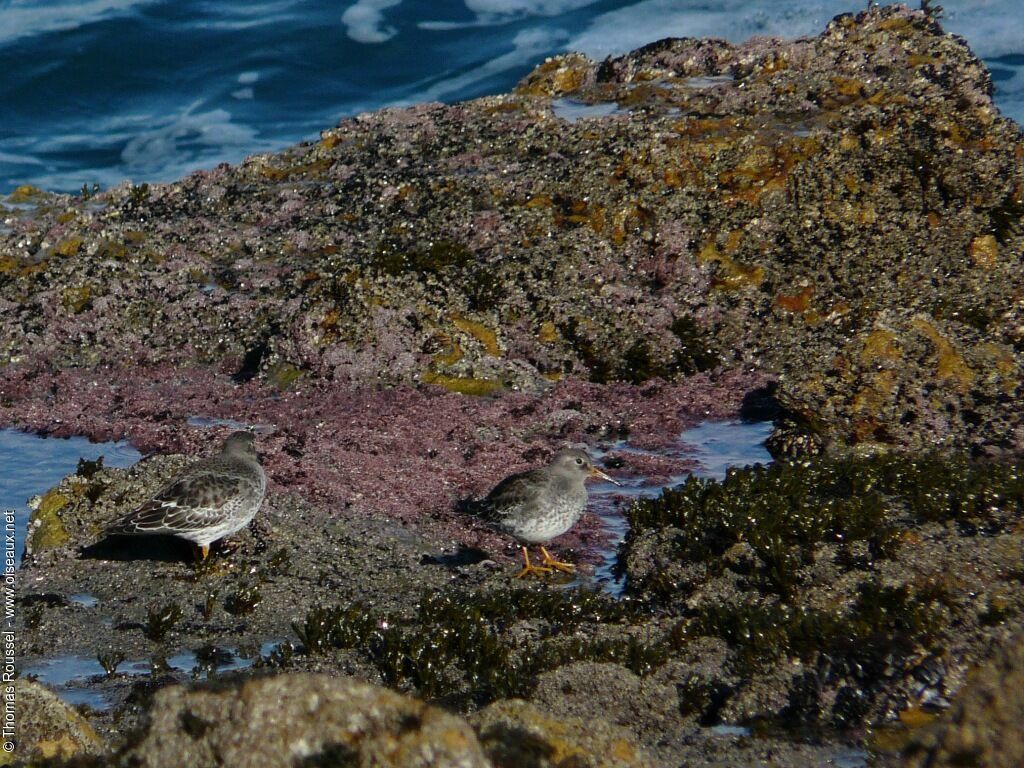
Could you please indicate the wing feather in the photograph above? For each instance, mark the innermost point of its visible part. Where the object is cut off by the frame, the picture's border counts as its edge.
(197, 501)
(510, 493)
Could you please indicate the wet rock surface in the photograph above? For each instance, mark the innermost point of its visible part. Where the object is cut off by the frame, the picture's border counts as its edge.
(48, 729)
(844, 212)
(515, 733)
(301, 720)
(825, 232)
(983, 726)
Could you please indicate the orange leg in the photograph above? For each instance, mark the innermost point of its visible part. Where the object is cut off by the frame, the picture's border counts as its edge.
(528, 569)
(550, 562)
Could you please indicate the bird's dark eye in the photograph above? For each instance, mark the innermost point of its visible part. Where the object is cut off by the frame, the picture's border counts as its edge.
(580, 462)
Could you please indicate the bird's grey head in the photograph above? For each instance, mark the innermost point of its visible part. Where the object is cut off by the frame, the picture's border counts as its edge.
(574, 462)
(240, 444)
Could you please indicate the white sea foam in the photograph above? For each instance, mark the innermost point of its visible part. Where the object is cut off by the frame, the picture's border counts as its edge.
(624, 29)
(10, 157)
(151, 147)
(246, 79)
(529, 46)
(181, 139)
(493, 13)
(237, 16)
(29, 18)
(992, 27)
(364, 21)
(489, 9)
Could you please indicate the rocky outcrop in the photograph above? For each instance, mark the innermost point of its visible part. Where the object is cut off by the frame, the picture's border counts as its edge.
(826, 232)
(982, 728)
(48, 729)
(301, 720)
(843, 212)
(516, 734)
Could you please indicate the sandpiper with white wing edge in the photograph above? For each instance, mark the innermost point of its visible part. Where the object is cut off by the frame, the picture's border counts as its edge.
(211, 499)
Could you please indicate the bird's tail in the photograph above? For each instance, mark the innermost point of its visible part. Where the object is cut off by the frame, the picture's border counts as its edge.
(474, 507)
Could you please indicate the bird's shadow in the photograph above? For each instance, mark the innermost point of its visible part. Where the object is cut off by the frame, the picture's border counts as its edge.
(462, 556)
(166, 549)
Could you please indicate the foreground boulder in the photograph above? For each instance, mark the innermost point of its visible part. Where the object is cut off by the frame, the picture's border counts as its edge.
(517, 734)
(983, 729)
(48, 729)
(301, 720)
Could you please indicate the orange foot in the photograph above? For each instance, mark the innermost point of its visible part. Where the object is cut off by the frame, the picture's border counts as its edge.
(550, 562)
(535, 570)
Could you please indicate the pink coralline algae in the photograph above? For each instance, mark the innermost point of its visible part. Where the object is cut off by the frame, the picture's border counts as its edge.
(407, 454)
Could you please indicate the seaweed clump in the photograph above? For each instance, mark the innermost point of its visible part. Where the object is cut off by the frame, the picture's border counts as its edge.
(857, 651)
(785, 511)
(882, 624)
(437, 257)
(459, 649)
(160, 621)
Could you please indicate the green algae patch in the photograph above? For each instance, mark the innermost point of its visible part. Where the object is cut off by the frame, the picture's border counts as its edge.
(112, 249)
(77, 299)
(26, 193)
(557, 76)
(69, 246)
(464, 385)
(311, 169)
(452, 354)
(734, 275)
(950, 364)
(488, 339)
(48, 529)
(283, 376)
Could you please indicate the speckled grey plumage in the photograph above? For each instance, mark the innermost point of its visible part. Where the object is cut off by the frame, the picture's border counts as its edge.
(540, 504)
(211, 499)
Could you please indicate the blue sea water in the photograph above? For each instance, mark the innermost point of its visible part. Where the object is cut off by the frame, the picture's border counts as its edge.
(33, 464)
(99, 91)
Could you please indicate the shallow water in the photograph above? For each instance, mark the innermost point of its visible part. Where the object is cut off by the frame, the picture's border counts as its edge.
(714, 446)
(75, 678)
(573, 111)
(710, 81)
(33, 464)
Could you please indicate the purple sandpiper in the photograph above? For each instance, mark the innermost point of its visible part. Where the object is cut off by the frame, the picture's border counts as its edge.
(211, 499)
(540, 504)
